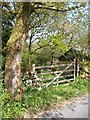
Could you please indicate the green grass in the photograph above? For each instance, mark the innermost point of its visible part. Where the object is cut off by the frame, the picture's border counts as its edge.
(43, 99)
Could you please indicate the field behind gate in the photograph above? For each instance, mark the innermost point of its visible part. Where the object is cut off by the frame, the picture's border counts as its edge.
(56, 74)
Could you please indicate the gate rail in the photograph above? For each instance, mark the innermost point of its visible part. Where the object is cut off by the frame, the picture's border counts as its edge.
(57, 77)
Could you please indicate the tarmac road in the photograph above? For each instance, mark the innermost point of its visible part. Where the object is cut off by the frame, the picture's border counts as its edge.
(74, 109)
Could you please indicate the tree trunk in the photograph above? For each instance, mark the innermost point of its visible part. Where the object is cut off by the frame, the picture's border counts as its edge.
(29, 52)
(15, 47)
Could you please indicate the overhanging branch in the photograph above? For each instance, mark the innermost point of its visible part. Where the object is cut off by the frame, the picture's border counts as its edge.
(59, 10)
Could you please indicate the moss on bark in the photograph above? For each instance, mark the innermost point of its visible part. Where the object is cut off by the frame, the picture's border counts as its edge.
(15, 47)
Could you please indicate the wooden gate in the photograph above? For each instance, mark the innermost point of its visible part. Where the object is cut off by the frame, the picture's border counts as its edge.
(57, 74)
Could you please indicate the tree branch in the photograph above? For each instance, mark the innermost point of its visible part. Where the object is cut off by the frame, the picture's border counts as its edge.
(59, 10)
(4, 4)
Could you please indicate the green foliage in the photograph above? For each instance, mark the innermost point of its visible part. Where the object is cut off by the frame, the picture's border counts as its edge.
(25, 57)
(79, 83)
(44, 43)
(57, 39)
(45, 52)
(11, 109)
(44, 56)
(38, 99)
(1, 91)
(1, 81)
(7, 23)
(50, 50)
(34, 98)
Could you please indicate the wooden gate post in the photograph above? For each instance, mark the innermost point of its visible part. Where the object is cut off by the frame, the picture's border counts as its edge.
(74, 69)
(77, 67)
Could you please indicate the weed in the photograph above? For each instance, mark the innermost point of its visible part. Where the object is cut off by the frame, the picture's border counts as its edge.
(42, 99)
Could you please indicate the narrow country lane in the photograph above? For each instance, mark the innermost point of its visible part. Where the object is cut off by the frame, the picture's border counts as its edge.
(74, 109)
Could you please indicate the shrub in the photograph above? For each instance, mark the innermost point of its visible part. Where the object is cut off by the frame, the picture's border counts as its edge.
(79, 83)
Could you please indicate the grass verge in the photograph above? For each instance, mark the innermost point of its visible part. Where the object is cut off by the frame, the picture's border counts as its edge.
(35, 100)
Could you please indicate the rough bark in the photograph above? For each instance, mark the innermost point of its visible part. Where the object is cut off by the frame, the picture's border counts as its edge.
(15, 47)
